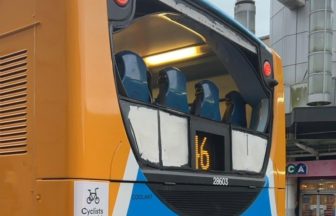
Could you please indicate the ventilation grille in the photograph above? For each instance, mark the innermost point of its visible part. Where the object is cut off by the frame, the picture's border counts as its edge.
(13, 103)
(198, 200)
(200, 203)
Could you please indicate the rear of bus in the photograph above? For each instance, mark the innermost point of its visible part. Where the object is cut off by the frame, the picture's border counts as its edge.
(138, 107)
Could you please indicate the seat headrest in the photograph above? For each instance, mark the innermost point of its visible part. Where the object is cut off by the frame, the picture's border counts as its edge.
(133, 75)
(206, 103)
(235, 97)
(173, 93)
(235, 112)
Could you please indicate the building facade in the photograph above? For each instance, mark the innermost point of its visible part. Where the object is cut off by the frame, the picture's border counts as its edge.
(303, 32)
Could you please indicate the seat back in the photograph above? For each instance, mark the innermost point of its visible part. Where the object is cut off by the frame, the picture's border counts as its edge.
(132, 72)
(173, 89)
(235, 112)
(206, 103)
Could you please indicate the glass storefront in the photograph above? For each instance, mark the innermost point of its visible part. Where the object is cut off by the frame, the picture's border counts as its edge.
(318, 198)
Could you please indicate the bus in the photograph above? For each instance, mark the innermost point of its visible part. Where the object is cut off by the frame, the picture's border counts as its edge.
(137, 107)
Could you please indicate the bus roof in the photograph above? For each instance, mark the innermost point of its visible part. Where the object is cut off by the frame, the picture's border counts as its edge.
(210, 6)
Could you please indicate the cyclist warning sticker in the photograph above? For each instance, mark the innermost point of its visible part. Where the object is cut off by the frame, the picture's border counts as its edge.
(91, 198)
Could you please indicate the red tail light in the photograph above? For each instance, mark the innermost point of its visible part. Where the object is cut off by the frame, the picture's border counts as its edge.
(267, 69)
(121, 3)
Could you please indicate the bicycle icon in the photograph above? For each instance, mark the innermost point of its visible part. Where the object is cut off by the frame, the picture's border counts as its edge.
(93, 197)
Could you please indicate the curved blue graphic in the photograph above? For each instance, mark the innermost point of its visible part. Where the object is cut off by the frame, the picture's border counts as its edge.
(261, 206)
(145, 202)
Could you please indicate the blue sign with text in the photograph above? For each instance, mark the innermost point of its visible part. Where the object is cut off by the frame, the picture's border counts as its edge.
(297, 169)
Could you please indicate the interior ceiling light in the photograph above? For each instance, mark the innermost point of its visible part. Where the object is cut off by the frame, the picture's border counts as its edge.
(175, 56)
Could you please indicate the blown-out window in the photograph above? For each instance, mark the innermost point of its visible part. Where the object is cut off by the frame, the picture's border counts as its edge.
(191, 98)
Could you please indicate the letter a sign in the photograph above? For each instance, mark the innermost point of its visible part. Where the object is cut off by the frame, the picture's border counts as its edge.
(301, 169)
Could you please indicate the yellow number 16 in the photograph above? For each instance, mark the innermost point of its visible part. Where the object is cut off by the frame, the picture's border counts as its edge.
(202, 156)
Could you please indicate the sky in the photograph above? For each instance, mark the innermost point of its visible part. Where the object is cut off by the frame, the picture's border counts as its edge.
(262, 14)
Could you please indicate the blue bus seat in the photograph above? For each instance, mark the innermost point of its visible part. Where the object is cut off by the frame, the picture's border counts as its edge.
(133, 74)
(235, 112)
(173, 89)
(206, 103)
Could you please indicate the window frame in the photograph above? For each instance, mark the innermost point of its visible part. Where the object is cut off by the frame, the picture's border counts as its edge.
(259, 51)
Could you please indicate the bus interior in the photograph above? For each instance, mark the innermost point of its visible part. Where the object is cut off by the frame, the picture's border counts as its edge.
(191, 98)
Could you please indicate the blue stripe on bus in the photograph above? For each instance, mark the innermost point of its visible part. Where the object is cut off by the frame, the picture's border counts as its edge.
(145, 202)
(261, 206)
